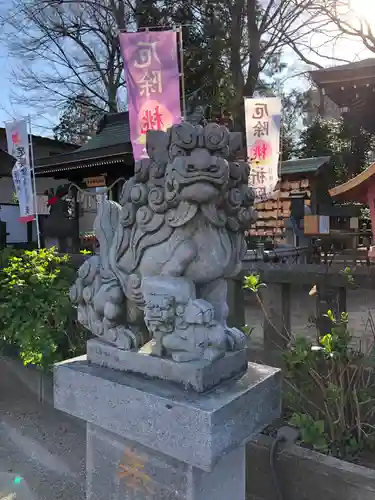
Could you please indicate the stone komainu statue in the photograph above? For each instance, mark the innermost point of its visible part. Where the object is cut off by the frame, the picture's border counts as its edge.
(168, 247)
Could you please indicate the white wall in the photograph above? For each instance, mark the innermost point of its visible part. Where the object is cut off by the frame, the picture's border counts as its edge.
(10, 213)
(17, 231)
(42, 184)
(86, 220)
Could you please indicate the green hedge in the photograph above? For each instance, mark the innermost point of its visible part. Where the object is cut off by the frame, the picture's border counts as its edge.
(37, 320)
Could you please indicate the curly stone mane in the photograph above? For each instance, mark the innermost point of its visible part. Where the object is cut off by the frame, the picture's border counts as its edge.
(148, 191)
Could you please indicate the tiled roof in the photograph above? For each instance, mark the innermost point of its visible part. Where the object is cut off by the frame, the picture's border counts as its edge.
(304, 165)
(113, 129)
(111, 139)
(370, 61)
(355, 70)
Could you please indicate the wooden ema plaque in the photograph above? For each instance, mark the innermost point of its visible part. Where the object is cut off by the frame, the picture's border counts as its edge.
(93, 182)
(316, 224)
(311, 224)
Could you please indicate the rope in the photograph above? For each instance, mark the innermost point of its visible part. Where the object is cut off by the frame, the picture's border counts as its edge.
(90, 193)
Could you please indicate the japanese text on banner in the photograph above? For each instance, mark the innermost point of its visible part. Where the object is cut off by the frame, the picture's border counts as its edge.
(263, 120)
(18, 146)
(152, 75)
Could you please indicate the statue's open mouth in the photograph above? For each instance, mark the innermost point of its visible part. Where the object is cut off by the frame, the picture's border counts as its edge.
(212, 175)
(196, 184)
(200, 192)
(178, 184)
(203, 172)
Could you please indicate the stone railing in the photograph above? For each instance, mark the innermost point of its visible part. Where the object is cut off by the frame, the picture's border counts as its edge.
(283, 254)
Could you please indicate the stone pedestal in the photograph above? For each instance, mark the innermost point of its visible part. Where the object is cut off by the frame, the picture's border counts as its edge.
(153, 439)
(121, 469)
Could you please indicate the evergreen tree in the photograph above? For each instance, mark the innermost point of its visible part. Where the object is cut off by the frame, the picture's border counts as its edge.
(205, 63)
(78, 121)
(294, 104)
(227, 46)
(349, 146)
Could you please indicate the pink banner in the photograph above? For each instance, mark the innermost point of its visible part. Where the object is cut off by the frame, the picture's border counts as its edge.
(152, 76)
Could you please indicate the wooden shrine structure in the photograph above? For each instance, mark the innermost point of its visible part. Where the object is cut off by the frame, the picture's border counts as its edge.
(7, 162)
(297, 176)
(105, 158)
(108, 155)
(305, 178)
(352, 88)
(360, 189)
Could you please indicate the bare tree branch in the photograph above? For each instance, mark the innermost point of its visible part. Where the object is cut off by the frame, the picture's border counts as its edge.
(65, 48)
(346, 20)
(303, 57)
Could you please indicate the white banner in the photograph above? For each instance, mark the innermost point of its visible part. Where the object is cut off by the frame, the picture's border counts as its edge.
(263, 121)
(18, 146)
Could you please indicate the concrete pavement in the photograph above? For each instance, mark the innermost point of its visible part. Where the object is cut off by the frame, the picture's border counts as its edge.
(42, 445)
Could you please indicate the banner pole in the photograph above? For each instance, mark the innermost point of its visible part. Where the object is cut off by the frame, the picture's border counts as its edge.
(278, 201)
(182, 74)
(34, 183)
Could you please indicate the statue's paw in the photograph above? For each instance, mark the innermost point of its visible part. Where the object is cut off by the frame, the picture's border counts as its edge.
(237, 340)
(108, 300)
(212, 354)
(133, 289)
(124, 341)
(199, 312)
(181, 350)
(123, 338)
(216, 337)
(112, 311)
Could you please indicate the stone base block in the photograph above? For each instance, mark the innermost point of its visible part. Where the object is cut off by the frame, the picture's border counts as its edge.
(199, 375)
(121, 469)
(197, 429)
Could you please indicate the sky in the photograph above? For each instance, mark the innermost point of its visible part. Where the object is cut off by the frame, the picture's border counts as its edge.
(9, 111)
(349, 50)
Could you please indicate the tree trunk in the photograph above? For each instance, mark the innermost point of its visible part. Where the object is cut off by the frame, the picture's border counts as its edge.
(236, 64)
(244, 88)
(254, 48)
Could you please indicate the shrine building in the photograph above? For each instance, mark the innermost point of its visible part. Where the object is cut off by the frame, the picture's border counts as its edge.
(105, 158)
(352, 88)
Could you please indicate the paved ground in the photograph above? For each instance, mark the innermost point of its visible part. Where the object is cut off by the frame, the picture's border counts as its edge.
(39, 443)
(360, 305)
